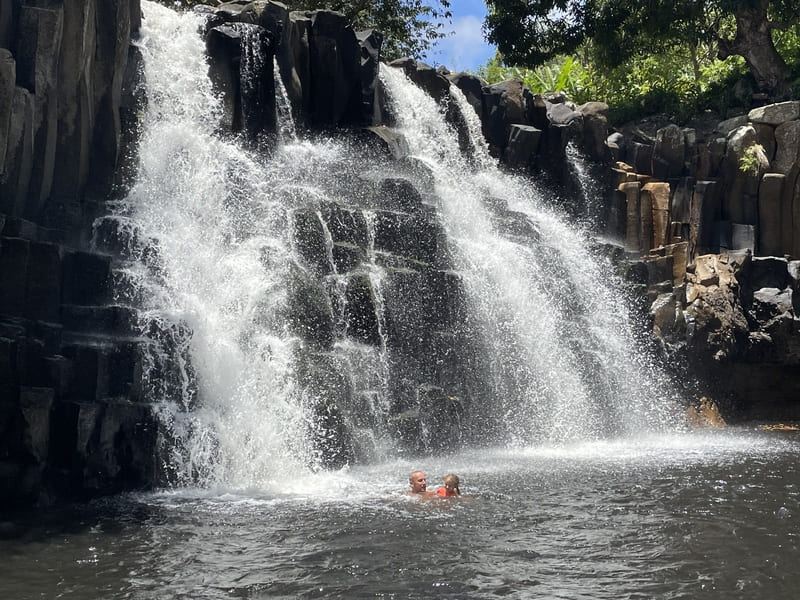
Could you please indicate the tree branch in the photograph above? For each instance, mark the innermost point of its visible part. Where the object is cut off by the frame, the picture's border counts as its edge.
(784, 25)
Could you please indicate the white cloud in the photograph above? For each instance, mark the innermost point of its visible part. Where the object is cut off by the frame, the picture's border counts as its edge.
(465, 49)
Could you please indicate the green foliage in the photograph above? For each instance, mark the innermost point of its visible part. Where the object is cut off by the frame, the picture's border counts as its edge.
(750, 162)
(619, 32)
(564, 74)
(410, 27)
(664, 83)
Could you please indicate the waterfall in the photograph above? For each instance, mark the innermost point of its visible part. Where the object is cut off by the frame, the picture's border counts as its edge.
(240, 268)
(290, 316)
(589, 194)
(287, 132)
(565, 360)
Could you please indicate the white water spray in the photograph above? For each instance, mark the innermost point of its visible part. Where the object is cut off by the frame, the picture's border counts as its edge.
(556, 338)
(559, 339)
(220, 228)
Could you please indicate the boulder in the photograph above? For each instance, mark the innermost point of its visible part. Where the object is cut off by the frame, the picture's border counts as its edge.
(669, 153)
(335, 70)
(766, 272)
(504, 104)
(595, 130)
(771, 302)
(775, 114)
(787, 137)
(522, 147)
(725, 127)
(666, 314)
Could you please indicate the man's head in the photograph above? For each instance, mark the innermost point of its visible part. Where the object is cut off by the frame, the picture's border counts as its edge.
(418, 481)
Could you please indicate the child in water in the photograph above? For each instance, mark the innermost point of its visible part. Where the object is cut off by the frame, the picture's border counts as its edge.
(450, 487)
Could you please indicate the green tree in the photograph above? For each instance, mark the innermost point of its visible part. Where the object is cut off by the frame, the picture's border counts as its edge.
(530, 32)
(410, 27)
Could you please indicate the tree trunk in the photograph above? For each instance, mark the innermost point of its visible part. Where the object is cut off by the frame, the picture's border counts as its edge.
(754, 42)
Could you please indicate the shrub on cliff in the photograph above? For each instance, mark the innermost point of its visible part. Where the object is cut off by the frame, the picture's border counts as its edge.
(410, 27)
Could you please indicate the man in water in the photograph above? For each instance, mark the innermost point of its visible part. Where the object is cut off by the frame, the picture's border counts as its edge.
(419, 484)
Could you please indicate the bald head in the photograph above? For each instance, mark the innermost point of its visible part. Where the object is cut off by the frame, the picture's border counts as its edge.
(418, 481)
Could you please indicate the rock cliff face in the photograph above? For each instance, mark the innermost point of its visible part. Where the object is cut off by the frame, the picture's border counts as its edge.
(73, 419)
(715, 214)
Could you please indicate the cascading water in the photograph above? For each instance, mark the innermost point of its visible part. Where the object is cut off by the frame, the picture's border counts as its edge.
(229, 270)
(272, 265)
(287, 132)
(557, 334)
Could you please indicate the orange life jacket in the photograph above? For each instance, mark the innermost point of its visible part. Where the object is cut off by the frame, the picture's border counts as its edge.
(442, 491)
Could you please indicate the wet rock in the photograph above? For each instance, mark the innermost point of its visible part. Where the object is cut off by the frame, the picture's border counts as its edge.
(389, 142)
(361, 316)
(419, 236)
(334, 67)
(347, 257)
(346, 225)
(522, 147)
(310, 315)
(504, 104)
(399, 194)
(472, 88)
(310, 240)
(426, 77)
(440, 417)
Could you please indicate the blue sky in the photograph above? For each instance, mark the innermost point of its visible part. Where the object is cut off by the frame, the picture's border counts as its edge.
(465, 49)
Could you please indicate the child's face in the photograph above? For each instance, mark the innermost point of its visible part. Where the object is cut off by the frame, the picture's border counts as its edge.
(450, 485)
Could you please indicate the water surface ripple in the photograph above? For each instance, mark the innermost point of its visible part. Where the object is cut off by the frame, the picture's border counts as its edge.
(682, 516)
